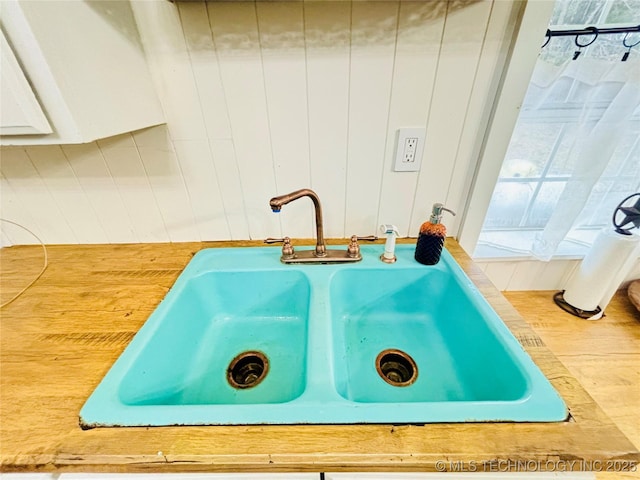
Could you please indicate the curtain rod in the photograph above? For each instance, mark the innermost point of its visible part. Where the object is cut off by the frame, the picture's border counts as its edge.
(591, 31)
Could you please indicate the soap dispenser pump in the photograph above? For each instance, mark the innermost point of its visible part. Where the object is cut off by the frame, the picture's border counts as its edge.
(431, 236)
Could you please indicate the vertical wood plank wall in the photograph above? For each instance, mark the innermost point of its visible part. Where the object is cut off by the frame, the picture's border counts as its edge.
(262, 98)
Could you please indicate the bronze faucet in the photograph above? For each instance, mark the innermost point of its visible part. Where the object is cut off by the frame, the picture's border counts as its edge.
(321, 254)
(276, 204)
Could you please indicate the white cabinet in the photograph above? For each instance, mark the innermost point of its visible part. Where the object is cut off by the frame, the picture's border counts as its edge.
(476, 474)
(162, 476)
(20, 112)
(72, 72)
(27, 476)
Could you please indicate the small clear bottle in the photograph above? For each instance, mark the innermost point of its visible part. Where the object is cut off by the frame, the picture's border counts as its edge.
(431, 237)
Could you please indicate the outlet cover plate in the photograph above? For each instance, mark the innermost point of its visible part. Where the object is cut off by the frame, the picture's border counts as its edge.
(409, 148)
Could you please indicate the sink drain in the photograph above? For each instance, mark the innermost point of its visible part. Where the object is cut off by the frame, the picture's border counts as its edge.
(396, 368)
(247, 369)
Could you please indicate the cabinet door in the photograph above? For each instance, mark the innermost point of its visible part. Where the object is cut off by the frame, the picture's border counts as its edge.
(476, 472)
(27, 476)
(86, 65)
(20, 112)
(189, 476)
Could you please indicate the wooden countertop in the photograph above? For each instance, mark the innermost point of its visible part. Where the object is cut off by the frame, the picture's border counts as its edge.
(63, 334)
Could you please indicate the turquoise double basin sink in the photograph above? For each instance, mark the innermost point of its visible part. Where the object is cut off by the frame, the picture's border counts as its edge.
(242, 338)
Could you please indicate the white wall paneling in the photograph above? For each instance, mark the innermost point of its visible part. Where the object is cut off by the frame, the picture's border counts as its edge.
(125, 166)
(281, 27)
(32, 200)
(165, 176)
(262, 98)
(101, 192)
(420, 28)
(216, 167)
(520, 274)
(177, 67)
(373, 39)
(460, 50)
(54, 169)
(499, 273)
(4, 239)
(528, 274)
(205, 191)
(328, 48)
(237, 42)
(12, 208)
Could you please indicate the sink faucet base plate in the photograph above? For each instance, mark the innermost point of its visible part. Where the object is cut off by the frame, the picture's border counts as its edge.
(332, 256)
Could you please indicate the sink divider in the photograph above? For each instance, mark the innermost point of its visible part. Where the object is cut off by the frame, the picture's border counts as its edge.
(320, 379)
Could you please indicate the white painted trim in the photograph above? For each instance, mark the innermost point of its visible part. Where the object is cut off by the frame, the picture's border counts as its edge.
(27, 476)
(188, 476)
(469, 475)
(510, 96)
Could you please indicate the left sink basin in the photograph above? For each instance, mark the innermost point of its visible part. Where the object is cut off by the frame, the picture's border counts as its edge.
(257, 318)
(220, 337)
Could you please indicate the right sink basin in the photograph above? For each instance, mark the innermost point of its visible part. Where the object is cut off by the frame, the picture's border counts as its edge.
(416, 335)
(424, 343)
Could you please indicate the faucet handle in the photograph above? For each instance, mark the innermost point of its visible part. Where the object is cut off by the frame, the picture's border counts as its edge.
(368, 238)
(276, 240)
(353, 249)
(287, 247)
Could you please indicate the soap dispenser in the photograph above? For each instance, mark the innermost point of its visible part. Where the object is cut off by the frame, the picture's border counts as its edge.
(431, 237)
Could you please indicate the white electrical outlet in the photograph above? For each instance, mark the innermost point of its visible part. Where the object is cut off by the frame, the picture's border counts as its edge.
(409, 154)
(409, 148)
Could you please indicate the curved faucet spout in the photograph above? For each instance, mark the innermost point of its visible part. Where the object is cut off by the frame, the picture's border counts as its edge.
(276, 204)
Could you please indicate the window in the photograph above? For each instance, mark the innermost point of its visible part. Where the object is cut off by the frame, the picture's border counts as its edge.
(544, 152)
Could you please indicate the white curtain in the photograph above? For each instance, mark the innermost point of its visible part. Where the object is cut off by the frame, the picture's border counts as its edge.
(608, 92)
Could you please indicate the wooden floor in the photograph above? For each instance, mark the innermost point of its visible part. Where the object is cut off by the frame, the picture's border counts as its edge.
(603, 355)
